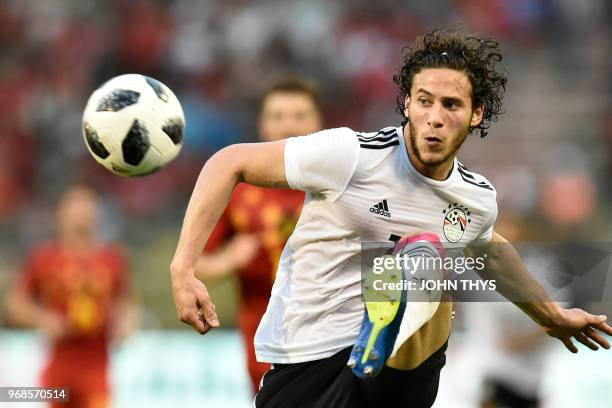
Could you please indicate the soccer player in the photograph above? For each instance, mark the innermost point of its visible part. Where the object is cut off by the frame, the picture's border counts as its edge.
(75, 290)
(251, 234)
(401, 181)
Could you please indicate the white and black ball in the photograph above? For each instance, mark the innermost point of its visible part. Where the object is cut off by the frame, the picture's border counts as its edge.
(133, 125)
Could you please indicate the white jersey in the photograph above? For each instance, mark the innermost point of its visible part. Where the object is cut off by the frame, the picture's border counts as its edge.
(360, 187)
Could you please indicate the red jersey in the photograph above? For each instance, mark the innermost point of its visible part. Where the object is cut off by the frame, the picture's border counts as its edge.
(82, 288)
(269, 213)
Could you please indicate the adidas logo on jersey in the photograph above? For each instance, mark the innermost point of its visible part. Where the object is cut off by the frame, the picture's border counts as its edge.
(381, 208)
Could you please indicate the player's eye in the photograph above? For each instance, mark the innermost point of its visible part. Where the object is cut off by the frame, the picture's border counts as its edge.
(425, 102)
(275, 116)
(451, 105)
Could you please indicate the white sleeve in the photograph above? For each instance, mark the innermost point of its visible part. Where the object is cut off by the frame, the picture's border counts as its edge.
(486, 233)
(323, 162)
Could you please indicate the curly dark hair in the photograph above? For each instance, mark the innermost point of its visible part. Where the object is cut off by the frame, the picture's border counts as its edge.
(457, 50)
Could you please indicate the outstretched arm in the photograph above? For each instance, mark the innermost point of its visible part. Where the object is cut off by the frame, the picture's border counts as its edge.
(515, 283)
(260, 164)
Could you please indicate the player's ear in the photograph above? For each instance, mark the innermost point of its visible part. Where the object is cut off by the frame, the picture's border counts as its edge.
(406, 103)
(477, 116)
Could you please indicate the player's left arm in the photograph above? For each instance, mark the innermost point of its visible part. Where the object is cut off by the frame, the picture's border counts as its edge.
(125, 312)
(515, 283)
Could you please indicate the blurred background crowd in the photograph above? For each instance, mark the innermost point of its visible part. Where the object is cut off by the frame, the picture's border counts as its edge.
(549, 156)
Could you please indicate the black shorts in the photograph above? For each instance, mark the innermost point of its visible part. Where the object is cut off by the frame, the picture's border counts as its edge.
(329, 383)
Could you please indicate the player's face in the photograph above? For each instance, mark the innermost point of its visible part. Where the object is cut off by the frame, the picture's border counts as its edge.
(286, 114)
(440, 114)
(77, 213)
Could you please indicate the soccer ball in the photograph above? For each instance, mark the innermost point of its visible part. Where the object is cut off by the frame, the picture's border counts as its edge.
(133, 125)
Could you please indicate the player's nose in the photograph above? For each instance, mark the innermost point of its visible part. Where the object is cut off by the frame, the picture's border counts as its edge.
(435, 119)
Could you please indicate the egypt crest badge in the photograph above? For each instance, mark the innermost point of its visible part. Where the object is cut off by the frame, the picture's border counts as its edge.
(456, 219)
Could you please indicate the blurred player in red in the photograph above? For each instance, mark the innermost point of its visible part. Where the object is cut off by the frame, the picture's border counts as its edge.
(75, 289)
(252, 232)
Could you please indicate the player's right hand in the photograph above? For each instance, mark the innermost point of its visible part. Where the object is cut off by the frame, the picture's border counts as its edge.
(193, 304)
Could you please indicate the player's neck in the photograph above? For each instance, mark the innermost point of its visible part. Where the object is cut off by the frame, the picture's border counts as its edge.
(439, 171)
(78, 243)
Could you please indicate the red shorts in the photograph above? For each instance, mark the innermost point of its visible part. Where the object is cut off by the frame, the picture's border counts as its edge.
(88, 388)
